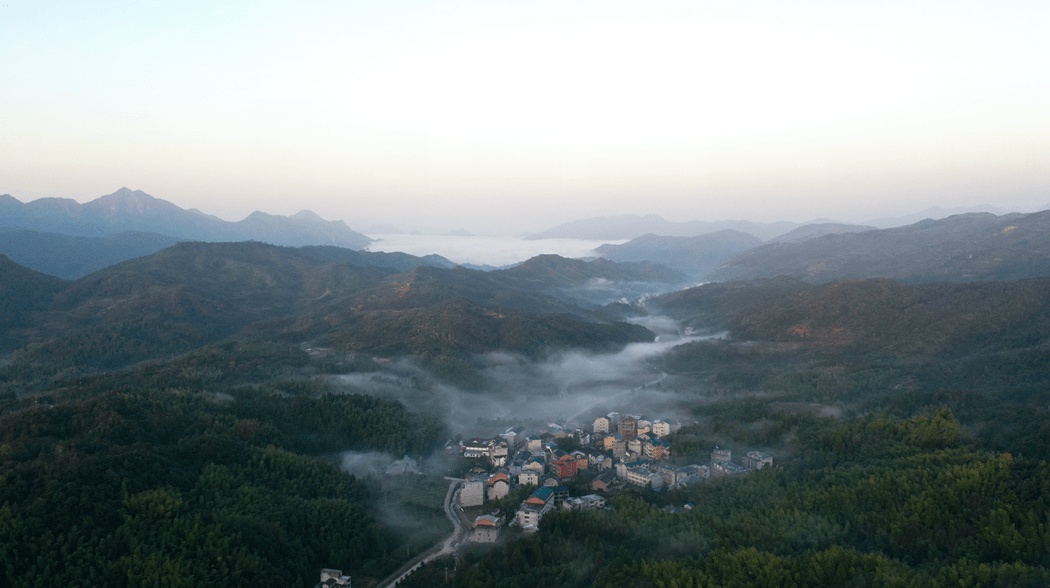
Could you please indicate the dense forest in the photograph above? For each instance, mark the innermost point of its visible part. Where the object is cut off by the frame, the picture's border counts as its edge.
(144, 486)
(980, 348)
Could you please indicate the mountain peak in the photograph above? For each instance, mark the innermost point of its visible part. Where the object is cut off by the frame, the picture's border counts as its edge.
(128, 203)
(308, 215)
(124, 192)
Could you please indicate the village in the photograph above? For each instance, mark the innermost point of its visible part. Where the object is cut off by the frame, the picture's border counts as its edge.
(620, 452)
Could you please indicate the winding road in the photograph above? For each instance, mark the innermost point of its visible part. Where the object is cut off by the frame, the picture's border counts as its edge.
(460, 528)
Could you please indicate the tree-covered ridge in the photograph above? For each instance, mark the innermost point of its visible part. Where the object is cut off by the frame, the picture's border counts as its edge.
(960, 248)
(70, 256)
(870, 502)
(151, 487)
(23, 293)
(873, 315)
(554, 271)
(195, 294)
(696, 256)
(979, 348)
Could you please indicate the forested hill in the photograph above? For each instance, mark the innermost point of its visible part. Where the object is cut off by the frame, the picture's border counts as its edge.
(965, 247)
(554, 271)
(981, 348)
(875, 315)
(695, 256)
(195, 294)
(73, 256)
(22, 292)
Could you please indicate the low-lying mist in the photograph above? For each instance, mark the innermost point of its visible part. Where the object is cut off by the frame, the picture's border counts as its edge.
(570, 388)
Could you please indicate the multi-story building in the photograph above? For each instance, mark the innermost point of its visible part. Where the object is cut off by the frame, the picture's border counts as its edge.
(727, 468)
(535, 506)
(472, 493)
(529, 478)
(757, 460)
(644, 426)
(601, 425)
(495, 450)
(628, 428)
(642, 476)
(721, 455)
(588, 502)
(656, 449)
(498, 453)
(497, 486)
(582, 461)
(535, 463)
(634, 446)
(474, 448)
(599, 461)
(486, 529)
(563, 465)
(661, 428)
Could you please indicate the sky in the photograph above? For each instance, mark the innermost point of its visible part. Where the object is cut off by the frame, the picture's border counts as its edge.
(505, 117)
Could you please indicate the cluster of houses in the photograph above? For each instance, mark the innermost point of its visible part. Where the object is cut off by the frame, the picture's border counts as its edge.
(618, 451)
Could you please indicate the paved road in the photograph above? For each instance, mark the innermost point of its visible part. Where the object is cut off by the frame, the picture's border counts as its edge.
(446, 547)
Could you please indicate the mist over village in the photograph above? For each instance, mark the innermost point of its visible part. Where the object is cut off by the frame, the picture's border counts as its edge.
(473, 294)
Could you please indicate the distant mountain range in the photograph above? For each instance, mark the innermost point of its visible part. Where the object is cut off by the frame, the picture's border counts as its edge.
(135, 223)
(615, 228)
(814, 230)
(966, 247)
(693, 256)
(629, 226)
(935, 213)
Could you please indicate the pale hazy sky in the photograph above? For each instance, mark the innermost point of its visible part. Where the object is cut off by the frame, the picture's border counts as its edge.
(517, 115)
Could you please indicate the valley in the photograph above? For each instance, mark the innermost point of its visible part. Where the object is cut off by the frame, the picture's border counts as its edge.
(163, 414)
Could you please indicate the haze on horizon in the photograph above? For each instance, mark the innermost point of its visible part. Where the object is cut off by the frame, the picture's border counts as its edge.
(520, 116)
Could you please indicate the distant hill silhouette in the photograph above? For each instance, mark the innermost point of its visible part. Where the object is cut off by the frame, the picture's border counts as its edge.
(70, 257)
(632, 226)
(935, 213)
(967, 247)
(134, 210)
(814, 230)
(693, 256)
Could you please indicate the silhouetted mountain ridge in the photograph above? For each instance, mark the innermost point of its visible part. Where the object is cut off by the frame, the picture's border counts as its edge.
(135, 210)
(695, 256)
(631, 226)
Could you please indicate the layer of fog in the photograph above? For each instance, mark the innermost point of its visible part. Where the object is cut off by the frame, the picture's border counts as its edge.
(491, 251)
(570, 388)
(375, 463)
